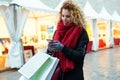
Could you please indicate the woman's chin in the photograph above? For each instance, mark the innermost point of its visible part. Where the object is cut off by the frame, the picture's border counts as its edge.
(66, 24)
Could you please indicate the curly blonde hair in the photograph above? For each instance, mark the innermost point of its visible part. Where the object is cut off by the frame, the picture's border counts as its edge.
(76, 13)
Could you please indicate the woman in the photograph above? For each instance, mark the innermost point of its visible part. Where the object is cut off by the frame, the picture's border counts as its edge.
(70, 42)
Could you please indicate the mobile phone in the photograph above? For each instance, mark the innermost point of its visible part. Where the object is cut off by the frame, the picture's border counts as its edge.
(49, 40)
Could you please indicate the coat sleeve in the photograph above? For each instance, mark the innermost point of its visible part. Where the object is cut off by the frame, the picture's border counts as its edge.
(77, 54)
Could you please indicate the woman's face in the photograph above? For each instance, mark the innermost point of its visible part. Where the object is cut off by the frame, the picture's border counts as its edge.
(66, 18)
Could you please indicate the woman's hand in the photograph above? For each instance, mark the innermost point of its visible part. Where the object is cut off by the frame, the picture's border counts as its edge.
(55, 46)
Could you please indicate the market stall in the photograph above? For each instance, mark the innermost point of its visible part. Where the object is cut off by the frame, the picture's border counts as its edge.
(116, 28)
(15, 15)
(104, 30)
(91, 17)
(42, 25)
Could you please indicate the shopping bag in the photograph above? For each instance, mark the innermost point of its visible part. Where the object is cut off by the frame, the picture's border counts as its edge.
(57, 74)
(40, 67)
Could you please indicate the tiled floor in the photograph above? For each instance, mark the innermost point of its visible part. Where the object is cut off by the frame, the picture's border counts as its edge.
(100, 65)
(9, 75)
(103, 65)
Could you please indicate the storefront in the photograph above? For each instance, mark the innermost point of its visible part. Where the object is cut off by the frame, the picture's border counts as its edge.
(37, 29)
(103, 33)
(34, 35)
(104, 29)
(41, 27)
(116, 33)
(4, 43)
(116, 28)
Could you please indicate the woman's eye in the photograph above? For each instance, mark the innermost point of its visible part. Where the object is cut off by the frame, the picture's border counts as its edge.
(68, 16)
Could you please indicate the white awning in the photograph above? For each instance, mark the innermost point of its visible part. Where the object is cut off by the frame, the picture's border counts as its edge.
(4, 3)
(57, 9)
(115, 16)
(104, 14)
(89, 11)
(33, 5)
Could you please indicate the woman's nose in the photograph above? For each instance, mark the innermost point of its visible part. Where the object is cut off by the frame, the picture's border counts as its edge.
(64, 18)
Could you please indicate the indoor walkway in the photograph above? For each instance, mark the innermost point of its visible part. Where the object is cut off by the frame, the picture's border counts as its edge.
(100, 65)
(103, 65)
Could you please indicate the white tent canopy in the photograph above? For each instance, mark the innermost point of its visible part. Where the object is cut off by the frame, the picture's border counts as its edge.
(4, 3)
(104, 14)
(59, 6)
(115, 16)
(33, 5)
(89, 11)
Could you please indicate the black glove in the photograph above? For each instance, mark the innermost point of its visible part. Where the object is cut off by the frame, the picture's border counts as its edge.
(55, 46)
(50, 49)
